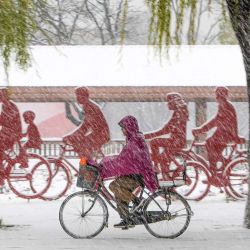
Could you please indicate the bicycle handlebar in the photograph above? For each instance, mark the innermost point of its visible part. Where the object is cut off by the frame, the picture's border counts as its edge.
(95, 154)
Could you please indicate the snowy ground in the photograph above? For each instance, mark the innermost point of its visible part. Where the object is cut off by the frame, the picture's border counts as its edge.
(216, 224)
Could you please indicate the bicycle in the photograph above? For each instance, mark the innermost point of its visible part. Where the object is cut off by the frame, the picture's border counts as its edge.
(232, 175)
(61, 175)
(29, 181)
(179, 164)
(84, 214)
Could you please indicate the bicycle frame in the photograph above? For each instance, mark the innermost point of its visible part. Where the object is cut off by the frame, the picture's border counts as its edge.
(234, 154)
(217, 177)
(103, 191)
(108, 197)
(29, 188)
(8, 163)
(64, 161)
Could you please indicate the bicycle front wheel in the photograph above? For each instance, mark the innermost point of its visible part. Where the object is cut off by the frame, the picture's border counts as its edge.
(167, 214)
(237, 175)
(60, 182)
(30, 182)
(83, 215)
(197, 182)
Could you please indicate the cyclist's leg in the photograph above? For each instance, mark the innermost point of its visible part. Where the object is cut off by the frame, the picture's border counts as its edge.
(86, 146)
(2, 154)
(154, 145)
(157, 156)
(1, 176)
(3, 147)
(170, 148)
(123, 188)
(214, 149)
(23, 158)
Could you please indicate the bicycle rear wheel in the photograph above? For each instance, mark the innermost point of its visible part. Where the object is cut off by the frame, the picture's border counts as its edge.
(237, 174)
(60, 182)
(167, 214)
(83, 215)
(197, 182)
(30, 182)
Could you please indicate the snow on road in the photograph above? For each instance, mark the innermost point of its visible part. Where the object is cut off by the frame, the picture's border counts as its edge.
(216, 224)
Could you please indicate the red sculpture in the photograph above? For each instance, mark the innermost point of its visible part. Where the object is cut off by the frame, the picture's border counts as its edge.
(94, 130)
(10, 123)
(175, 129)
(225, 122)
(32, 133)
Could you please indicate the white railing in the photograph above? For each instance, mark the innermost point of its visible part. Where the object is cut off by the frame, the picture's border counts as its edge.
(51, 148)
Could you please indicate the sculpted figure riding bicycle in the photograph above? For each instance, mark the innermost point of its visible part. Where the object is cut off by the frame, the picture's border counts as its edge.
(10, 122)
(225, 123)
(172, 137)
(33, 174)
(86, 139)
(93, 131)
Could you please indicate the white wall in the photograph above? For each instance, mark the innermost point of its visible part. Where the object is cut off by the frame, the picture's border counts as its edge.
(133, 65)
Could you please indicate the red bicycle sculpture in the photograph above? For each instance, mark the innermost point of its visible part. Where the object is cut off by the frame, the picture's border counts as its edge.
(28, 175)
(232, 176)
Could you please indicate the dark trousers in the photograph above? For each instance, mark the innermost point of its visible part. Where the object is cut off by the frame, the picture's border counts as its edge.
(123, 188)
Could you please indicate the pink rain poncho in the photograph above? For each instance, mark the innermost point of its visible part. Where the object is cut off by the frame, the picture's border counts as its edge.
(133, 159)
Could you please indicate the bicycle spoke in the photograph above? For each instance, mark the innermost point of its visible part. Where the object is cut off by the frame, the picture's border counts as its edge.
(31, 182)
(92, 211)
(61, 180)
(170, 223)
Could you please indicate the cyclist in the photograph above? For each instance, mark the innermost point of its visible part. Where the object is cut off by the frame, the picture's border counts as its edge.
(132, 168)
(175, 129)
(226, 131)
(93, 132)
(32, 133)
(10, 123)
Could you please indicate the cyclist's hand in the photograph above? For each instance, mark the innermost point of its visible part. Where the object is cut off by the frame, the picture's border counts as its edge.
(93, 163)
(240, 140)
(66, 140)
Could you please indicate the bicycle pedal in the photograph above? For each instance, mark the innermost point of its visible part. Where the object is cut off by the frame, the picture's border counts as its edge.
(128, 227)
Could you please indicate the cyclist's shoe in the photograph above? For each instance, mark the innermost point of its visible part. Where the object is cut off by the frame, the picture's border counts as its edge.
(124, 224)
(137, 205)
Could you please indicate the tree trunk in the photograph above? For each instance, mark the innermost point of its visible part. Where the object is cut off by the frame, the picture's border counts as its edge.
(239, 11)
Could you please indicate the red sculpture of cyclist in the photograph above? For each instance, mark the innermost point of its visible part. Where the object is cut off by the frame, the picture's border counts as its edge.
(94, 130)
(175, 129)
(225, 123)
(10, 123)
(33, 136)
